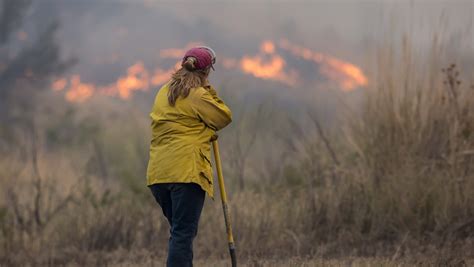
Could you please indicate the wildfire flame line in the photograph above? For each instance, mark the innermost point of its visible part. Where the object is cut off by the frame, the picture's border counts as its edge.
(346, 74)
(137, 78)
(267, 64)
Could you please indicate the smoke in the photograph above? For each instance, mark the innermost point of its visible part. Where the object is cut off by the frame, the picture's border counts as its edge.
(12, 13)
(29, 57)
(110, 37)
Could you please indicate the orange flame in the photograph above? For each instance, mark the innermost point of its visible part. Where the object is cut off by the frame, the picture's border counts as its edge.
(161, 76)
(270, 69)
(136, 79)
(267, 47)
(79, 92)
(347, 75)
(267, 64)
(59, 84)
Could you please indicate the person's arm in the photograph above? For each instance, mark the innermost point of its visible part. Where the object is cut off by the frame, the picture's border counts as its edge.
(211, 109)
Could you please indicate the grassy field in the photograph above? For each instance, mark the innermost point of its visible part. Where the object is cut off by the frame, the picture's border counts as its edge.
(396, 183)
(387, 180)
(147, 260)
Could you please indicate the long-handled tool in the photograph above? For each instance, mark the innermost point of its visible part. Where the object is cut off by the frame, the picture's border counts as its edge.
(220, 177)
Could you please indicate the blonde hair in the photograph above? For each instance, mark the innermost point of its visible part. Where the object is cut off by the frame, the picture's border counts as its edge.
(185, 79)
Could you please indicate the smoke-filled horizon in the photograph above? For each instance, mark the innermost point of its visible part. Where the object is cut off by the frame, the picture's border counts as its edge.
(122, 46)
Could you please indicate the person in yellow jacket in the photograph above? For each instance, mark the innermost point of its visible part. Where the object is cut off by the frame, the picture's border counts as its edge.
(185, 117)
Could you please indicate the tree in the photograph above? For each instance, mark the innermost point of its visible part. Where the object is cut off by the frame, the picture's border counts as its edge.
(25, 67)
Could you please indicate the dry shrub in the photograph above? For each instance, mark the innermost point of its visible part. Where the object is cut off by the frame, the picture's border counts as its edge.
(401, 183)
(415, 144)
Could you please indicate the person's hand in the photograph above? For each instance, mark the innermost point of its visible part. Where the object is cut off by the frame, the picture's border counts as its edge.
(214, 137)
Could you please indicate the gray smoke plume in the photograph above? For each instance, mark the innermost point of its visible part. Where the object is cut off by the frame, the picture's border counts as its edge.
(25, 66)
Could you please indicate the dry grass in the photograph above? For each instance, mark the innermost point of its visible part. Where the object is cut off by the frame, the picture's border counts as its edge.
(122, 258)
(397, 188)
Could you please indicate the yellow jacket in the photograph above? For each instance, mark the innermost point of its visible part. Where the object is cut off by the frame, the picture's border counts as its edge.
(180, 145)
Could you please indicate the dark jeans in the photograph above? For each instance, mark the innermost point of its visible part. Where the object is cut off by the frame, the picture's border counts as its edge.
(182, 205)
